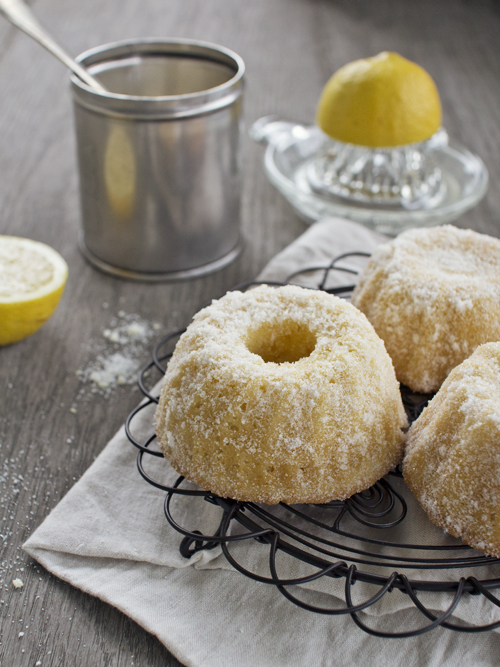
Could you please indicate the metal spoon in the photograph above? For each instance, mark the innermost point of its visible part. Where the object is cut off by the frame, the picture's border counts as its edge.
(20, 15)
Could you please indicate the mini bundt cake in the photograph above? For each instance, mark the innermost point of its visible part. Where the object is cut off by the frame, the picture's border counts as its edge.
(433, 296)
(281, 395)
(452, 459)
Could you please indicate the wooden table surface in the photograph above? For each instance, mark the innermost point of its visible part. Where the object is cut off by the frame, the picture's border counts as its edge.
(52, 425)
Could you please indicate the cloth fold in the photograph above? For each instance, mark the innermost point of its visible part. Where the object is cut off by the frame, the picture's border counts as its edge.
(109, 537)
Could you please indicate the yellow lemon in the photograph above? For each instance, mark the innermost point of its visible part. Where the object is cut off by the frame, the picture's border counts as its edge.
(32, 280)
(382, 101)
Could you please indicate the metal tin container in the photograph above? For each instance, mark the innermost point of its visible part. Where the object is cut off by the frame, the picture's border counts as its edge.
(159, 158)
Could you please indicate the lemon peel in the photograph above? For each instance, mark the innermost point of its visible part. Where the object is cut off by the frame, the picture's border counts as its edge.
(32, 279)
(380, 102)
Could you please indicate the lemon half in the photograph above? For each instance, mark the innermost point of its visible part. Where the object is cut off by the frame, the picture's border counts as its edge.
(383, 101)
(32, 280)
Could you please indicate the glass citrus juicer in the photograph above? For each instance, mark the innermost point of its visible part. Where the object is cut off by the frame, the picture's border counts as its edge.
(378, 153)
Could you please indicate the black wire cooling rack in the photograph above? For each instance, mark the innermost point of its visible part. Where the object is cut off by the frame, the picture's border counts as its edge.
(355, 540)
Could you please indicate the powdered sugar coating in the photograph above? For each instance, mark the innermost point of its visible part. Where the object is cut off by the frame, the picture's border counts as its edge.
(282, 394)
(433, 296)
(452, 459)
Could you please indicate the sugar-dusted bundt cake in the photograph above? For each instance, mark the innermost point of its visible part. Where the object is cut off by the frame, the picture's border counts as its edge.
(281, 394)
(433, 296)
(452, 459)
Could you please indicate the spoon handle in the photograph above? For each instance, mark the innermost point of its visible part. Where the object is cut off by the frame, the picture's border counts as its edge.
(20, 15)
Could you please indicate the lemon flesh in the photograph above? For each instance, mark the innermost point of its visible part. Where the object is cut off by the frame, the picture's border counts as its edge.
(32, 280)
(379, 102)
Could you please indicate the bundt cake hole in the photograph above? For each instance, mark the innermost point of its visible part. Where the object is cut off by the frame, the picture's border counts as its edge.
(281, 342)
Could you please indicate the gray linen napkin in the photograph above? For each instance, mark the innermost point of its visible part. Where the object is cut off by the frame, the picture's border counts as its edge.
(109, 537)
